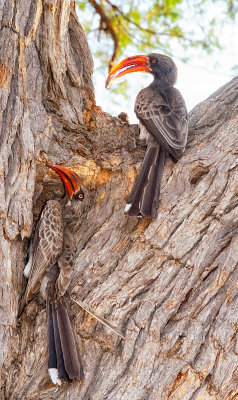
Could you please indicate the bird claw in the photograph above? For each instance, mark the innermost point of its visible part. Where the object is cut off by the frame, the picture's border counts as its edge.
(133, 138)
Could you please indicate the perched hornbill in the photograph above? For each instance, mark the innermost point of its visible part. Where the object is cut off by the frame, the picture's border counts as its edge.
(49, 269)
(163, 118)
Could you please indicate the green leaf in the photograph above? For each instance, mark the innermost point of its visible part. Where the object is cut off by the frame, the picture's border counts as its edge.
(169, 26)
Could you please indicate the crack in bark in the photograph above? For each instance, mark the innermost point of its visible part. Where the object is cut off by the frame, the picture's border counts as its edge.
(127, 367)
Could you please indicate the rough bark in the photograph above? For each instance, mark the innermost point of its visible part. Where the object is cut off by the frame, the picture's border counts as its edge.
(170, 284)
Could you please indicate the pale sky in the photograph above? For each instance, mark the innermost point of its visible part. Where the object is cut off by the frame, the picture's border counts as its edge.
(197, 79)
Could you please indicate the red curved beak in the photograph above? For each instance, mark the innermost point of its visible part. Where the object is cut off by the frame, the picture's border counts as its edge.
(130, 64)
(71, 180)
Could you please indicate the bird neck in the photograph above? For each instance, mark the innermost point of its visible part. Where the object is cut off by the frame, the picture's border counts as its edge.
(72, 212)
(159, 83)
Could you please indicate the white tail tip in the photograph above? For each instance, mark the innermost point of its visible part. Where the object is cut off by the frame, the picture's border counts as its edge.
(54, 376)
(27, 268)
(128, 206)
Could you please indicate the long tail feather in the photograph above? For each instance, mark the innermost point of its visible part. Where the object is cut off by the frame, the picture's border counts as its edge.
(144, 197)
(58, 346)
(72, 360)
(52, 363)
(64, 357)
(52, 360)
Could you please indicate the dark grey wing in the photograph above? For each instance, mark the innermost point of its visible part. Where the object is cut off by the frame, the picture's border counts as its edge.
(164, 115)
(46, 246)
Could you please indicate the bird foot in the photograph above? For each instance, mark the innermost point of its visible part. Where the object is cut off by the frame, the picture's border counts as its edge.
(133, 138)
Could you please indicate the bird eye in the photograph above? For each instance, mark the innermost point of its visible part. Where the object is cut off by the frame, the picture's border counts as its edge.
(79, 195)
(153, 60)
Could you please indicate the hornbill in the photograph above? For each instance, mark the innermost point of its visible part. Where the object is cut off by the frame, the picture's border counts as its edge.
(49, 269)
(163, 122)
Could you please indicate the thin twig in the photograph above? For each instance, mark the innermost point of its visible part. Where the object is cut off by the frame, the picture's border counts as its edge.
(100, 319)
(110, 29)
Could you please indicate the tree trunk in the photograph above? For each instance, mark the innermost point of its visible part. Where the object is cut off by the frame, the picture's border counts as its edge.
(170, 285)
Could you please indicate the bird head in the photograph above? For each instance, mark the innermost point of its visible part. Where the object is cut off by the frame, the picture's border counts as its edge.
(160, 66)
(71, 181)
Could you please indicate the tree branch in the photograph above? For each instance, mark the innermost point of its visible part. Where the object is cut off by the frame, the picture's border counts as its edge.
(109, 30)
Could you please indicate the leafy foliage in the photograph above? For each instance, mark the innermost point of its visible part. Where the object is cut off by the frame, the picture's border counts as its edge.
(144, 25)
